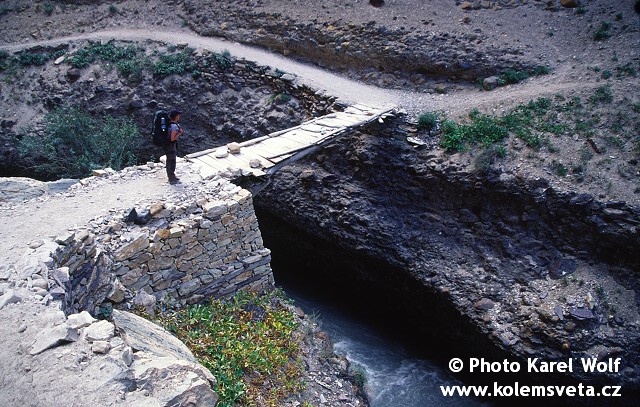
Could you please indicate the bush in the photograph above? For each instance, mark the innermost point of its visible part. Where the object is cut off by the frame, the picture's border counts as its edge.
(483, 129)
(222, 60)
(109, 52)
(602, 94)
(602, 33)
(428, 121)
(75, 143)
(248, 344)
(170, 64)
(48, 8)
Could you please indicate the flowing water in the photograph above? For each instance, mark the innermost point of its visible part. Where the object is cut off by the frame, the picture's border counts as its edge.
(395, 376)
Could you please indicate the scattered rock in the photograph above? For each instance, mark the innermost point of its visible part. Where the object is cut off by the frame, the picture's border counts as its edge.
(484, 304)
(10, 297)
(99, 331)
(73, 74)
(127, 356)
(581, 313)
(143, 335)
(100, 347)
(569, 3)
(184, 384)
(80, 320)
(490, 83)
(561, 268)
(234, 148)
(52, 337)
(156, 208)
(117, 293)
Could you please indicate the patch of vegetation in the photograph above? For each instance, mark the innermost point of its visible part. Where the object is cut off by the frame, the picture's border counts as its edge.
(602, 33)
(247, 342)
(279, 99)
(48, 8)
(559, 168)
(626, 70)
(359, 375)
(4, 9)
(221, 59)
(34, 58)
(174, 64)
(125, 58)
(428, 121)
(75, 143)
(516, 76)
(113, 9)
(602, 94)
(488, 156)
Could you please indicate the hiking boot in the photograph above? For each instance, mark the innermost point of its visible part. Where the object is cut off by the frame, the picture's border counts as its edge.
(174, 180)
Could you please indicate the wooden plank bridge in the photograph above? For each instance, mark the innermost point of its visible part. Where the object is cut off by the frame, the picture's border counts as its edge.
(265, 155)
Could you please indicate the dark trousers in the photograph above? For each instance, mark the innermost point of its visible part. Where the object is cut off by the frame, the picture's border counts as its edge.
(170, 151)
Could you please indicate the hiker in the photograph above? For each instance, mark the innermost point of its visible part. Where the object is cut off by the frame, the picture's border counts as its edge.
(175, 131)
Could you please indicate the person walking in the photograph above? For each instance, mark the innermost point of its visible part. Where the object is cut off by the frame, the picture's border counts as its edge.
(170, 148)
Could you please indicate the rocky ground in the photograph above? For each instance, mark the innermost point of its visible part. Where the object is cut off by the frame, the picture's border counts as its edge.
(29, 313)
(424, 57)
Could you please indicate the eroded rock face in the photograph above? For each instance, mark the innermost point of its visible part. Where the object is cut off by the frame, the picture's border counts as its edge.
(541, 272)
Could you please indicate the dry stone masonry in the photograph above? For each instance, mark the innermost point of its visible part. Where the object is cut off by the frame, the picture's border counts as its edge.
(194, 247)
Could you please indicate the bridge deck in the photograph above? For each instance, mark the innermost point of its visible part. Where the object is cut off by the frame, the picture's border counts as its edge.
(266, 154)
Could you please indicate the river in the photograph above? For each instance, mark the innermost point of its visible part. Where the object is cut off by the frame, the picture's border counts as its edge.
(395, 375)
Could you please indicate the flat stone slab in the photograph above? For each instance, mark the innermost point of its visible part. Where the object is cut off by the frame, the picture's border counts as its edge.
(52, 337)
(99, 331)
(145, 336)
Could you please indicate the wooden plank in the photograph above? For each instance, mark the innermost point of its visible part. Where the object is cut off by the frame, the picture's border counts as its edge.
(303, 137)
(217, 163)
(264, 152)
(312, 128)
(277, 146)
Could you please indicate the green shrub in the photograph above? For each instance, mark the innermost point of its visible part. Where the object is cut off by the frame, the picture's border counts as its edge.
(222, 60)
(488, 156)
(33, 58)
(514, 76)
(482, 129)
(602, 94)
(248, 344)
(48, 8)
(109, 52)
(602, 33)
(4, 9)
(428, 121)
(170, 64)
(75, 143)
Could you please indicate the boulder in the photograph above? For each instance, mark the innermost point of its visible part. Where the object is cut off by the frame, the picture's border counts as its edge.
(145, 336)
(99, 331)
(175, 382)
(52, 337)
(10, 297)
(490, 83)
(80, 320)
(569, 3)
(19, 189)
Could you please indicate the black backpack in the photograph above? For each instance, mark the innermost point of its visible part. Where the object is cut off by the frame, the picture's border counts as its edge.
(160, 129)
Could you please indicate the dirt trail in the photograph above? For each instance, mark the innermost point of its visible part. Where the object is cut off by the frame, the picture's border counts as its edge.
(454, 103)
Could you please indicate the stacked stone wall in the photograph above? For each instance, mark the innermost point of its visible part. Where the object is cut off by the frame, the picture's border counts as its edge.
(203, 246)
